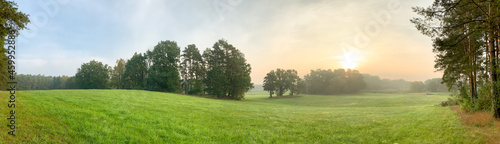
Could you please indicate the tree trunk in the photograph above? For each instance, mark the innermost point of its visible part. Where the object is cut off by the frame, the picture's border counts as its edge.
(471, 74)
(471, 84)
(493, 74)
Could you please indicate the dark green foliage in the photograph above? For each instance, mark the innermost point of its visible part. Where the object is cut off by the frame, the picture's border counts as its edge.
(163, 75)
(71, 83)
(228, 74)
(465, 40)
(334, 82)
(270, 83)
(216, 80)
(282, 81)
(192, 70)
(135, 73)
(93, 75)
(291, 81)
(117, 74)
(450, 102)
(11, 22)
(222, 72)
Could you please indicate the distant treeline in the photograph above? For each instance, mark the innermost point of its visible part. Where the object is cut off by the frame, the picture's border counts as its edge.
(317, 82)
(41, 82)
(373, 83)
(333, 82)
(341, 81)
(221, 71)
(376, 84)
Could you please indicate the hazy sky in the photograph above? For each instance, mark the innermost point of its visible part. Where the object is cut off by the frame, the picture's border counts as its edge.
(289, 34)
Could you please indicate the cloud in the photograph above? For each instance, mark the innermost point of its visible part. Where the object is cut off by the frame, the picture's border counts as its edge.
(295, 34)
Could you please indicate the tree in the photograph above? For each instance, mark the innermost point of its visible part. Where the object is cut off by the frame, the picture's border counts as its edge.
(117, 74)
(270, 83)
(163, 75)
(93, 75)
(228, 73)
(71, 83)
(192, 70)
(216, 80)
(432, 85)
(281, 81)
(291, 81)
(465, 37)
(57, 82)
(417, 86)
(11, 22)
(354, 81)
(334, 82)
(301, 86)
(375, 83)
(317, 81)
(135, 73)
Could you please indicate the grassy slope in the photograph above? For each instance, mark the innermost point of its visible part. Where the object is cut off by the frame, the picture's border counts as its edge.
(127, 116)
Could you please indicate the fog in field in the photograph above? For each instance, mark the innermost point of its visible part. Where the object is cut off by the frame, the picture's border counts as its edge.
(374, 37)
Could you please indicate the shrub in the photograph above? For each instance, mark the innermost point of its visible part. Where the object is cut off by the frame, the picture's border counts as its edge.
(450, 102)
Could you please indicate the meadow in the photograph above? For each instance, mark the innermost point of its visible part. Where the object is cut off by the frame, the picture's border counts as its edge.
(133, 116)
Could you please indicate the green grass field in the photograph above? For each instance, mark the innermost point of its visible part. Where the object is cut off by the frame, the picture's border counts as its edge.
(129, 116)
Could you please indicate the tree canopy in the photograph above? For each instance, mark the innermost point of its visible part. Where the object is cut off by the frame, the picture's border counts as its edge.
(192, 70)
(228, 73)
(282, 81)
(163, 75)
(11, 22)
(465, 40)
(117, 74)
(93, 75)
(222, 71)
(135, 73)
(334, 82)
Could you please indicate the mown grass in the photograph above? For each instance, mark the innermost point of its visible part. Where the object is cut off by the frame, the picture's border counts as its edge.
(130, 116)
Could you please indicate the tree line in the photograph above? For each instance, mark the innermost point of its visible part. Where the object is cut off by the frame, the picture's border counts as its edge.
(466, 41)
(373, 83)
(377, 84)
(430, 85)
(41, 82)
(340, 81)
(221, 71)
(317, 82)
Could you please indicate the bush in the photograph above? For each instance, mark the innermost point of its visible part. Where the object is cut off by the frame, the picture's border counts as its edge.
(450, 102)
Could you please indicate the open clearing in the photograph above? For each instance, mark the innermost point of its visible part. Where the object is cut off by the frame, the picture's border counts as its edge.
(131, 116)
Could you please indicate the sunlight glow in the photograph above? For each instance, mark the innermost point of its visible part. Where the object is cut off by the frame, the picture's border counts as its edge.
(349, 60)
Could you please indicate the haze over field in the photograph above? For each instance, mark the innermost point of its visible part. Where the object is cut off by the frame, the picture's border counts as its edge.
(374, 37)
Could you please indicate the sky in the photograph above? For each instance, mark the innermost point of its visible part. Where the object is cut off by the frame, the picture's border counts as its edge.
(374, 37)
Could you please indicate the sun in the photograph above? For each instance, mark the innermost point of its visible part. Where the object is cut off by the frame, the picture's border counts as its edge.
(349, 60)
